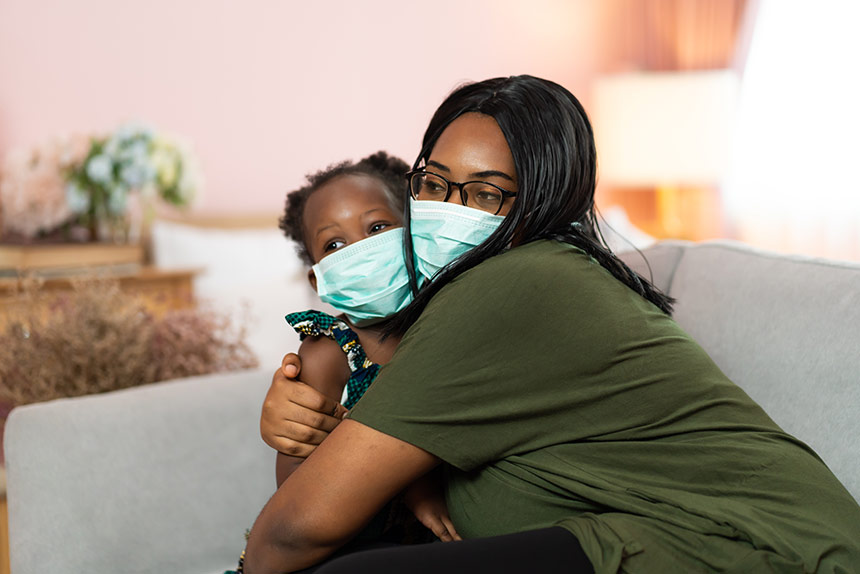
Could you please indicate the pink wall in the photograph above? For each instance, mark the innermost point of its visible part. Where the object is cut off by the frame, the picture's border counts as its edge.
(268, 90)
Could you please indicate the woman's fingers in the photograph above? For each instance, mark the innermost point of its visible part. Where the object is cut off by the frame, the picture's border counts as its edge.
(311, 399)
(304, 395)
(291, 447)
(291, 365)
(307, 406)
(303, 434)
(296, 417)
(340, 411)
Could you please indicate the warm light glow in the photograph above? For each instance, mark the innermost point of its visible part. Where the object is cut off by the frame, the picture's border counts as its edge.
(655, 129)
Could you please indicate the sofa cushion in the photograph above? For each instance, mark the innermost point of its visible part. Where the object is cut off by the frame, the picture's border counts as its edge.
(787, 330)
(161, 478)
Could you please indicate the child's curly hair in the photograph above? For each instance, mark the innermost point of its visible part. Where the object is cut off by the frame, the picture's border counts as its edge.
(389, 170)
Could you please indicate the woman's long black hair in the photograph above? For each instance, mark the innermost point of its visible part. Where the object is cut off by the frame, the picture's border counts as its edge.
(552, 144)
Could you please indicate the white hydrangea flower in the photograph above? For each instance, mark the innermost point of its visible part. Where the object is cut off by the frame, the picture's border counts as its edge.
(44, 188)
(100, 169)
(135, 175)
(77, 199)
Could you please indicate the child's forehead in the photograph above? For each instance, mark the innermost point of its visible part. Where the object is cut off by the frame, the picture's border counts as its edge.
(350, 186)
(346, 195)
(346, 182)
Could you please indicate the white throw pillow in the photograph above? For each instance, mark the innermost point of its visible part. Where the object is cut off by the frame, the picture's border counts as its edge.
(252, 273)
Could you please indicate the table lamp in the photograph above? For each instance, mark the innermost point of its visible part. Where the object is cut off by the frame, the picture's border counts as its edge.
(670, 131)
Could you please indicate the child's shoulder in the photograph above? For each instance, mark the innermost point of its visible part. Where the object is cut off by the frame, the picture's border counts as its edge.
(325, 366)
(319, 348)
(313, 323)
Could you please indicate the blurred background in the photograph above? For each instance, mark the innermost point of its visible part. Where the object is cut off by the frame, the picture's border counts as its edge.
(155, 141)
(150, 145)
(760, 148)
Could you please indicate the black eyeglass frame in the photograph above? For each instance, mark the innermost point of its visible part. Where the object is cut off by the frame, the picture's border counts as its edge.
(452, 184)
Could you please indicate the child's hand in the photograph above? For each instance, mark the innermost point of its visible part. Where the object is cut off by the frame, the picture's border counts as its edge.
(425, 499)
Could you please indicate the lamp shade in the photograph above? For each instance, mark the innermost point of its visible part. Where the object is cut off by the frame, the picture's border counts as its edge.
(664, 128)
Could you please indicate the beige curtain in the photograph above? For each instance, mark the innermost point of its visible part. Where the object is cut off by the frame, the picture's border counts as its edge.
(665, 35)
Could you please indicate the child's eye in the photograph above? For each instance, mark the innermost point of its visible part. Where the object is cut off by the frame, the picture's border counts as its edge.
(333, 245)
(377, 227)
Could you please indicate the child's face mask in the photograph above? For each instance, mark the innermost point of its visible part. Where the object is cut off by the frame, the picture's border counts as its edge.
(442, 232)
(366, 281)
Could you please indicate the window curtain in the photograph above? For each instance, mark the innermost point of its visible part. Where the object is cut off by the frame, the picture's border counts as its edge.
(794, 185)
(673, 35)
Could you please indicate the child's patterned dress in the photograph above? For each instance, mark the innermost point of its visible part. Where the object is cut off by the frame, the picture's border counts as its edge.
(394, 523)
(318, 324)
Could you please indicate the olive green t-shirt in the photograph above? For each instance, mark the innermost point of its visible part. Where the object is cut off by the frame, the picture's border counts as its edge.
(557, 396)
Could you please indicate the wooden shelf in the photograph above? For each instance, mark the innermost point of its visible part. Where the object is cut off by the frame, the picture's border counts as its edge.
(161, 290)
(65, 258)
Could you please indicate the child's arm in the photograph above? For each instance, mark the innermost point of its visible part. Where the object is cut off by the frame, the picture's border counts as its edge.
(325, 368)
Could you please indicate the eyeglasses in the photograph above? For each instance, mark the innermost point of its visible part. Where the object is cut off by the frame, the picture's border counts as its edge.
(429, 186)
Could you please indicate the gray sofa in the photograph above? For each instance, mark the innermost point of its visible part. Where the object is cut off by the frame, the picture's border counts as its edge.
(166, 478)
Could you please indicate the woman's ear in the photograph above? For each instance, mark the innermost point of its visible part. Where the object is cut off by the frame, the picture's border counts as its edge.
(312, 279)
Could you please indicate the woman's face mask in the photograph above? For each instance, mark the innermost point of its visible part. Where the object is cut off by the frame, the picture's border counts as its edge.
(442, 232)
(366, 281)
(471, 148)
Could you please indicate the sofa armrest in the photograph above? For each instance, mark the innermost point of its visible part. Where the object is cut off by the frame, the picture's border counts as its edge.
(159, 478)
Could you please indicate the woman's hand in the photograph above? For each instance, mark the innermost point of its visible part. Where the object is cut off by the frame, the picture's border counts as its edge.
(296, 417)
(425, 499)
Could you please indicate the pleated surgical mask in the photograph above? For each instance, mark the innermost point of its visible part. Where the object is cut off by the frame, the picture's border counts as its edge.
(366, 281)
(442, 232)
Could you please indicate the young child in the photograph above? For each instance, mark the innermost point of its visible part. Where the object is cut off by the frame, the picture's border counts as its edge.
(347, 224)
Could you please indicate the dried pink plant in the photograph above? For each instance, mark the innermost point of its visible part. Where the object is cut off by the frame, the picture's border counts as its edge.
(97, 338)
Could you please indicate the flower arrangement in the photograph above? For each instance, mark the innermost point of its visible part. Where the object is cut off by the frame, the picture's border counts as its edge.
(91, 186)
(132, 159)
(32, 187)
(98, 338)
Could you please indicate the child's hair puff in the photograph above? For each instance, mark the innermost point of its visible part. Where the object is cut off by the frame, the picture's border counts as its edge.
(389, 170)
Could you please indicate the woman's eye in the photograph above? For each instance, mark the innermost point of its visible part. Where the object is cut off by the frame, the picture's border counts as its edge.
(377, 227)
(432, 187)
(333, 245)
(489, 195)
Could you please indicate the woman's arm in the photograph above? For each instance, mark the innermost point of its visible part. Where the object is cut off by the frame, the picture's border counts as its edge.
(310, 517)
(325, 369)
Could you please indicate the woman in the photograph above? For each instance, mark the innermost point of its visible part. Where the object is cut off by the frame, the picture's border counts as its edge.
(577, 426)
